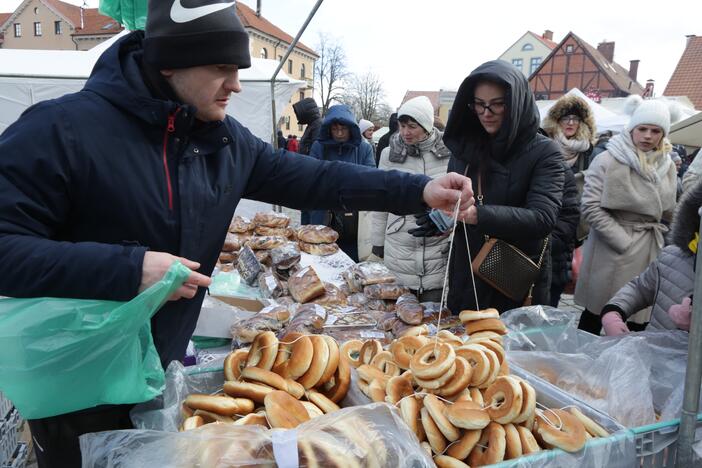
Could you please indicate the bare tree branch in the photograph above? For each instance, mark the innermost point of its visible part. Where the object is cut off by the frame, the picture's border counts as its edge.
(364, 94)
(329, 70)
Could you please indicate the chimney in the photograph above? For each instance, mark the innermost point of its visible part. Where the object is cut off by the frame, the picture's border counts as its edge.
(633, 69)
(648, 90)
(548, 34)
(258, 7)
(82, 23)
(689, 38)
(606, 49)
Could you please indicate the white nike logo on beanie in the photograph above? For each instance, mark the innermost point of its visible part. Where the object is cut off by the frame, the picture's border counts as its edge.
(181, 14)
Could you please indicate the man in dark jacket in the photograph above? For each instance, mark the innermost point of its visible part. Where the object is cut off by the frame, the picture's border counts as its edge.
(307, 113)
(102, 190)
(282, 141)
(384, 141)
(563, 238)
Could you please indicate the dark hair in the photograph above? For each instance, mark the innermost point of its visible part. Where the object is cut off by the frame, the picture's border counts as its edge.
(405, 119)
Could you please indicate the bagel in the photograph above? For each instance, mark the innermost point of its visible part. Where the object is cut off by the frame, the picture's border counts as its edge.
(262, 376)
(369, 373)
(432, 360)
(490, 448)
(369, 349)
(427, 448)
(210, 417)
(485, 336)
(263, 351)
(338, 386)
(591, 426)
(433, 434)
(473, 315)
(513, 445)
(409, 411)
(504, 400)
(477, 396)
(463, 446)
(528, 402)
(324, 403)
(351, 352)
(252, 391)
(494, 368)
(444, 461)
(478, 360)
(397, 388)
(437, 383)
(419, 330)
(459, 381)
(491, 324)
(437, 410)
(284, 411)
(186, 411)
(220, 404)
(384, 361)
(446, 336)
(404, 348)
(234, 363)
(526, 438)
(193, 422)
(560, 429)
(468, 415)
(253, 419)
(376, 391)
(333, 361)
(495, 347)
(320, 359)
(463, 396)
(312, 410)
(295, 353)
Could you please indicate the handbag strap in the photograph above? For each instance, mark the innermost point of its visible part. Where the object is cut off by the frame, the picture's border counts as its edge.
(543, 252)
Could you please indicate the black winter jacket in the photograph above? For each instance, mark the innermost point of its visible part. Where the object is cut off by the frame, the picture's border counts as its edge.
(307, 113)
(563, 236)
(522, 184)
(90, 181)
(384, 142)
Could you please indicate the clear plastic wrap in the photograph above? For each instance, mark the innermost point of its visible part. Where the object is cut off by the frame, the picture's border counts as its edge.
(525, 318)
(372, 435)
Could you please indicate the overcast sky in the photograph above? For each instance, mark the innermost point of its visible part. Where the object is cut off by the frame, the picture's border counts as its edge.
(428, 45)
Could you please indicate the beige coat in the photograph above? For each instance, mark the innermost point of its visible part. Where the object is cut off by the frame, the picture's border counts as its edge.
(418, 262)
(624, 213)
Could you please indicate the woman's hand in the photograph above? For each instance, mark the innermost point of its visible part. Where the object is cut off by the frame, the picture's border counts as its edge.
(681, 314)
(613, 324)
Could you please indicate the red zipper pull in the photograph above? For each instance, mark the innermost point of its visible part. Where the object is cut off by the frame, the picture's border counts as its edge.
(171, 122)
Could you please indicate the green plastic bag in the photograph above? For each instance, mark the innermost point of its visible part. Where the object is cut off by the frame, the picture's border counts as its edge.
(130, 13)
(63, 355)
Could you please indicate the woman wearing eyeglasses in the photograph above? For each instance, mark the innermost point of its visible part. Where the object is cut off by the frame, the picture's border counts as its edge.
(517, 176)
(571, 124)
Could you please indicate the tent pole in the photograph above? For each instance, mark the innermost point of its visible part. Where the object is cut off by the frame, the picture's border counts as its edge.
(693, 375)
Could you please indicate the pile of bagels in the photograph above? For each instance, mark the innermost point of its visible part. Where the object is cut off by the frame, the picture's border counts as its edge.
(459, 398)
(275, 383)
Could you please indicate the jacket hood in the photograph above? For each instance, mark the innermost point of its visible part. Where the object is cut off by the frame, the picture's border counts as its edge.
(464, 134)
(393, 123)
(568, 105)
(686, 221)
(306, 111)
(340, 114)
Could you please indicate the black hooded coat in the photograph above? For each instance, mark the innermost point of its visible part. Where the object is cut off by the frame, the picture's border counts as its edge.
(522, 184)
(307, 113)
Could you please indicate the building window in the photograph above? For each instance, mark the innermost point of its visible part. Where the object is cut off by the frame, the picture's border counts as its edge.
(18, 30)
(535, 62)
(290, 66)
(517, 63)
(57, 27)
(302, 95)
(287, 123)
(36, 10)
(302, 70)
(264, 53)
(569, 49)
(37, 28)
(527, 46)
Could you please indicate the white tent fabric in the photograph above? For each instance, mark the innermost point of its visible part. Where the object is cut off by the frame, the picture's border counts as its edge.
(688, 132)
(31, 76)
(604, 118)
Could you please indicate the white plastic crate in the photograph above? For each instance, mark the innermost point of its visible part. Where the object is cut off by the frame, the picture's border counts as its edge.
(8, 436)
(19, 457)
(656, 444)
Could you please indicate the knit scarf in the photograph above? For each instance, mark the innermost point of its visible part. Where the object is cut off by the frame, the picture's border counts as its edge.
(571, 148)
(651, 165)
(433, 143)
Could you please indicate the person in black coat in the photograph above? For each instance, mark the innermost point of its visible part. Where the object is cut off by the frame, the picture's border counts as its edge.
(282, 141)
(517, 175)
(307, 113)
(384, 140)
(563, 238)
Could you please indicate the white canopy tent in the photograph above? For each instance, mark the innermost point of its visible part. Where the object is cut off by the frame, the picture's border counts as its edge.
(688, 132)
(604, 118)
(31, 76)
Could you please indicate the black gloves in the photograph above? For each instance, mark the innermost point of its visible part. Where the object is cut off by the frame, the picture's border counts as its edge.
(378, 251)
(432, 223)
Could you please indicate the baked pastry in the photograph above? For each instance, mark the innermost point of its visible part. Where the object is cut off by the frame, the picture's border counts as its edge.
(317, 234)
(272, 318)
(319, 249)
(332, 296)
(272, 231)
(373, 273)
(248, 266)
(285, 256)
(241, 224)
(265, 242)
(226, 267)
(263, 256)
(409, 310)
(309, 318)
(232, 243)
(389, 291)
(274, 220)
(228, 257)
(305, 285)
(270, 286)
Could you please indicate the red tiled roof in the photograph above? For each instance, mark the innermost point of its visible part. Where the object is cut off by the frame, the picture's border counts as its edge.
(432, 95)
(548, 43)
(4, 17)
(249, 19)
(687, 77)
(93, 22)
(615, 72)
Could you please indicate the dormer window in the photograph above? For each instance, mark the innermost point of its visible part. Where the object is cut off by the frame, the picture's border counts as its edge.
(526, 47)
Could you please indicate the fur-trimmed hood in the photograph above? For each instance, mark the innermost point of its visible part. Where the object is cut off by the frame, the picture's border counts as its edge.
(568, 105)
(686, 221)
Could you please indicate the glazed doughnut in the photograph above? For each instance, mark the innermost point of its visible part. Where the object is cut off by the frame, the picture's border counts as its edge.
(234, 363)
(494, 325)
(276, 220)
(490, 448)
(446, 336)
(376, 391)
(437, 410)
(560, 429)
(467, 415)
(317, 234)
(324, 403)
(284, 411)
(193, 422)
(320, 359)
(263, 351)
(253, 419)
(312, 410)
(435, 384)
(513, 444)
(397, 388)
(473, 315)
(463, 446)
(459, 381)
(529, 444)
(444, 461)
(409, 410)
(434, 435)
(528, 402)
(351, 352)
(333, 361)
(478, 360)
(252, 391)
(494, 367)
(338, 386)
(369, 349)
(210, 417)
(220, 404)
(295, 353)
(432, 360)
(504, 400)
(477, 396)
(591, 426)
(319, 249)
(404, 348)
(384, 361)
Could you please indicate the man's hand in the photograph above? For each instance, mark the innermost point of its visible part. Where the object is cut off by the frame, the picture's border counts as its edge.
(443, 192)
(155, 266)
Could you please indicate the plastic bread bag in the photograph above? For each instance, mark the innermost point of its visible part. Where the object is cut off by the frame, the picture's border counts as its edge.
(372, 435)
(538, 316)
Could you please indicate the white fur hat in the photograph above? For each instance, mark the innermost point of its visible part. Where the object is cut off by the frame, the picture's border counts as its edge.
(421, 110)
(648, 112)
(364, 125)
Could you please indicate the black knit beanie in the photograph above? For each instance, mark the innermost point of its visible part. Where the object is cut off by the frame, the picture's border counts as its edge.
(191, 33)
